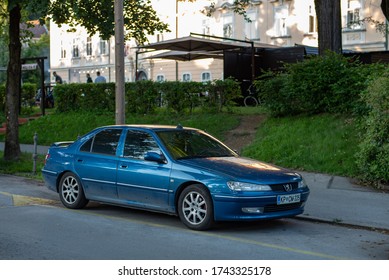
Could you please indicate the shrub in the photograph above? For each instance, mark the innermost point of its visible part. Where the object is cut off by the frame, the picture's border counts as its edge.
(143, 97)
(373, 157)
(28, 96)
(85, 97)
(330, 83)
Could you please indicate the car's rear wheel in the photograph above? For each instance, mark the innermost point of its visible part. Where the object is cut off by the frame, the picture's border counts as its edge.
(195, 207)
(71, 192)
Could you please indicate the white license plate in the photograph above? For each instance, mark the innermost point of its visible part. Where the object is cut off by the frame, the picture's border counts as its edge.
(288, 198)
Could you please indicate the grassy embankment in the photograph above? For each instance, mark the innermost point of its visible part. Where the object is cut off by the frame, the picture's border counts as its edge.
(322, 143)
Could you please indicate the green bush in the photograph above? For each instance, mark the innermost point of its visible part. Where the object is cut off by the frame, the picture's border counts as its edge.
(330, 83)
(222, 93)
(144, 97)
(28, 96)
(84, 97)
(373, 156)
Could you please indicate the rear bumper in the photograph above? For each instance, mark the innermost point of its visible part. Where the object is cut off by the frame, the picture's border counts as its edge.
(50, 179)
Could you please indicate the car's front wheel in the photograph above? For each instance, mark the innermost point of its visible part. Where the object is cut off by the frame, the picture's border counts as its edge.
(71, 192)
(195, 207)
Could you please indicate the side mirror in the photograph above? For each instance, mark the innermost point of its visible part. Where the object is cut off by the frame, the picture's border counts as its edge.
(153, 156)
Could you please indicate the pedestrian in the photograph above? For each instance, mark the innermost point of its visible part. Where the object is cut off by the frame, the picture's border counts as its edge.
(88, 78)
(99, 78)
(58, 79)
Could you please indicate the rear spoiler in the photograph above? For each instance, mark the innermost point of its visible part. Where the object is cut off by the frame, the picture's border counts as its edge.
(62, 144)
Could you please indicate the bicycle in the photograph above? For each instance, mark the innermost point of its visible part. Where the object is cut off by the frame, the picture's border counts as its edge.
(251, 100)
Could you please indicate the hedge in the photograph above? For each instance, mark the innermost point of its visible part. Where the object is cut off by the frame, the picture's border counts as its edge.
(144, 97)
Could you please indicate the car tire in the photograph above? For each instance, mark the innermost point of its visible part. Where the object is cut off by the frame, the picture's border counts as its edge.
(71, 192)
(195, 207)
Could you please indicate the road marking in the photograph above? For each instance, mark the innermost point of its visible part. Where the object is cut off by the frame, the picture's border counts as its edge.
(22, 200)
(215, 235)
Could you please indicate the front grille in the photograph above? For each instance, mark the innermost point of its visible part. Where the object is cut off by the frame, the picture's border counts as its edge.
(281, 188)
(284, 207)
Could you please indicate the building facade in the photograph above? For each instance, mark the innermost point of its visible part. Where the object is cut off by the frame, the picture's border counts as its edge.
(282, 23)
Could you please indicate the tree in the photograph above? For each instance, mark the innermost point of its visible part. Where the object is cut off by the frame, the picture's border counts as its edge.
(95, 15)
(328, 14)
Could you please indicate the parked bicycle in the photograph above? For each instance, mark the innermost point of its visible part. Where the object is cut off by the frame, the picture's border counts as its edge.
(251, 100)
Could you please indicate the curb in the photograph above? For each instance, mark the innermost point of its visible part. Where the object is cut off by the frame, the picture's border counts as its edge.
(342, 224)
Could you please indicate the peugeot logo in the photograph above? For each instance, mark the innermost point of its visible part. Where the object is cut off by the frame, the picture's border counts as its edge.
(288, 187)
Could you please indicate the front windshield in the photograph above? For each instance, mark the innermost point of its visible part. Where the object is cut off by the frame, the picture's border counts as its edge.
(183, 144)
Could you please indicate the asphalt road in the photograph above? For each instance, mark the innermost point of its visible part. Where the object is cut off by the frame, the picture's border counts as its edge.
(34, 225)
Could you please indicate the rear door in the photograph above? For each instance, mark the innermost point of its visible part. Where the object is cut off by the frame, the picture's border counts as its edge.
(96, 165)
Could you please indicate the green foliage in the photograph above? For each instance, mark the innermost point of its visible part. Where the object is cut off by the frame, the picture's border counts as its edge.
(22, 167)
(222, 93)
(28, 96)
(140, 19)
(144, 97)
(68, 126)
(373, 156)
(324, 143)
(85, 97)
(38, 48)
(330, 83)
(141, 97)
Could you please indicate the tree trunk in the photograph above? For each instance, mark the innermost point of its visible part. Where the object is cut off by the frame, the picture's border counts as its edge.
(329, 25)
(12, 146)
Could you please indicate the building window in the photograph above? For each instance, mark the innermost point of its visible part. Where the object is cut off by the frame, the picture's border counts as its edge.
(354, 14)
(312, 27)
(76, 53)
(103, 47)
(186, 77)
(205, 76)
(206, 27)
(159, 37)
(63, 51)
(281, 14)
(228, 29)
(89, 46)
(250, 28)
(160, 78)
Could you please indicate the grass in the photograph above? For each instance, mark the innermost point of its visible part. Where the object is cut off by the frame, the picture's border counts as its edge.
(63, 127)
(323, 143)
(22, 167)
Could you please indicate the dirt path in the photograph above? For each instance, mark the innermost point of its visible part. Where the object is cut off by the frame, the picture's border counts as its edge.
(244, 133)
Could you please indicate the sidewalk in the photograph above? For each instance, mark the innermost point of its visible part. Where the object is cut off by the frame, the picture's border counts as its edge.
(333, 199)
(29, 148)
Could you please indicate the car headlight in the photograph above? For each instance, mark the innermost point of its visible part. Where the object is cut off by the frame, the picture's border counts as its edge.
(302, 183)
(241, 187)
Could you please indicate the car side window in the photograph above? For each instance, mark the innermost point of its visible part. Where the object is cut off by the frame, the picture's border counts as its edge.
(138, 143)
(104, 142)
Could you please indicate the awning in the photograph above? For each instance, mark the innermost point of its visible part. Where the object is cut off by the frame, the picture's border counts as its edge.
(186, 56)
(191, 44)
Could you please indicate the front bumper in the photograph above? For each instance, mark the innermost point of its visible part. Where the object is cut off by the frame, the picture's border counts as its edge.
(245, 208)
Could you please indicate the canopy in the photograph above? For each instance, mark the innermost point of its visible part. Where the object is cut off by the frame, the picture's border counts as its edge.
(191, 44)
(186, 56)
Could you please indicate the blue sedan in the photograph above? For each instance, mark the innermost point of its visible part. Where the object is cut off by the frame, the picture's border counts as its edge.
(176, 170)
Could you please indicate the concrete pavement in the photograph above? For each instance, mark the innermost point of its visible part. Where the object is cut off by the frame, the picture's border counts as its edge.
(333, 199)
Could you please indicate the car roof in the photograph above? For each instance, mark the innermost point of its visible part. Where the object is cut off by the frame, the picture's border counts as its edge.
(155, 127)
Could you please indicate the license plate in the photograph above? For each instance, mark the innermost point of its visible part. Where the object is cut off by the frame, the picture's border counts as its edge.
(288, 198)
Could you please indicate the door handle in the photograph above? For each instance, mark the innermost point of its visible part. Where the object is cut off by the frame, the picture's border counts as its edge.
(123, 166)
(80, 160)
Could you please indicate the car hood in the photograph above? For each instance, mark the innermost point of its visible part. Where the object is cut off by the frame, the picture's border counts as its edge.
(245, 169)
